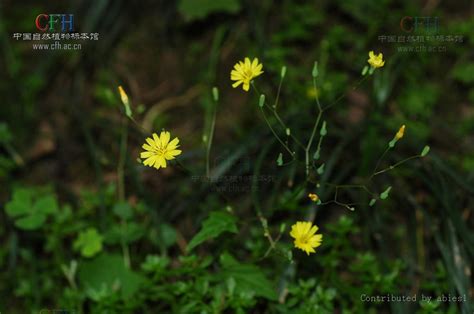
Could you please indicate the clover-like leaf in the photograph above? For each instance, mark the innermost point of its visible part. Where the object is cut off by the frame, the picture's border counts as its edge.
(30, 208)
(89, 242)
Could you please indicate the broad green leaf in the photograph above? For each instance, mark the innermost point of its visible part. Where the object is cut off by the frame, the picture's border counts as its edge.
(167, 235)
(110, 272)
(89, 242)
(217, 223)
(247, 278)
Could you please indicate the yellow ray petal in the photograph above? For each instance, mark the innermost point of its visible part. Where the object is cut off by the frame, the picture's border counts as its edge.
(165, 138)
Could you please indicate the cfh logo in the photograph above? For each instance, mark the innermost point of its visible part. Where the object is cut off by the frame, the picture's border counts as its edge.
(411, 24)
(51, 22)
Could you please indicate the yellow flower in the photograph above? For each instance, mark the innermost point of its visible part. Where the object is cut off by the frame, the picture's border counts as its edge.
(376, 61)
(305, 236)
(244, 72)
(123, 95)
(313, 197)
(400, 132)
(159, 149)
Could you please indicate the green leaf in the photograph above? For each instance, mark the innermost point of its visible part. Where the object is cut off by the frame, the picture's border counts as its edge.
(108, 272)
(372, 202)
(30, 207)
(198, 9)
(385, 193)
(464, 72)
(247, 278)
(280, 159)
(123, 210)
(89, 242)
(425, 151)
(167, 235)
(213, 226)
(128, 233)
(46, 204)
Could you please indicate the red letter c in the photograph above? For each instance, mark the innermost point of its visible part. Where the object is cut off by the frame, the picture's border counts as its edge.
(38, 26)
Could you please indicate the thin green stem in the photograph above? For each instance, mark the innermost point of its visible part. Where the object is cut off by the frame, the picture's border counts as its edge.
(378, 162)
(278, 94)
(349, 186)
(121, 187)
(125, 248)
(210, 138)
(395, 165)
(275, 134)
(354, 87)
(315, 127)
(121, 163)
(277, 116)
(275, 113)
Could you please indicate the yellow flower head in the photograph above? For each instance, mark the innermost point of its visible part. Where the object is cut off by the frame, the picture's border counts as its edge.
(244, 72)
(376, 61)
(123, 95)
(159, 149)
(400, 132)
(313, 197)
(305, 236)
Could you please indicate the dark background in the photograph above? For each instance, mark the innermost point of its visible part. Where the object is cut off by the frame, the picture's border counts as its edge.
(62, 129)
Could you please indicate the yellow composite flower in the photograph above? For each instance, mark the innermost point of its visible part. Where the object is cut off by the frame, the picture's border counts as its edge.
(305, 236)
(400, 132)
(376, 61)
(159, 149)
(313, 197)
(244, 72)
